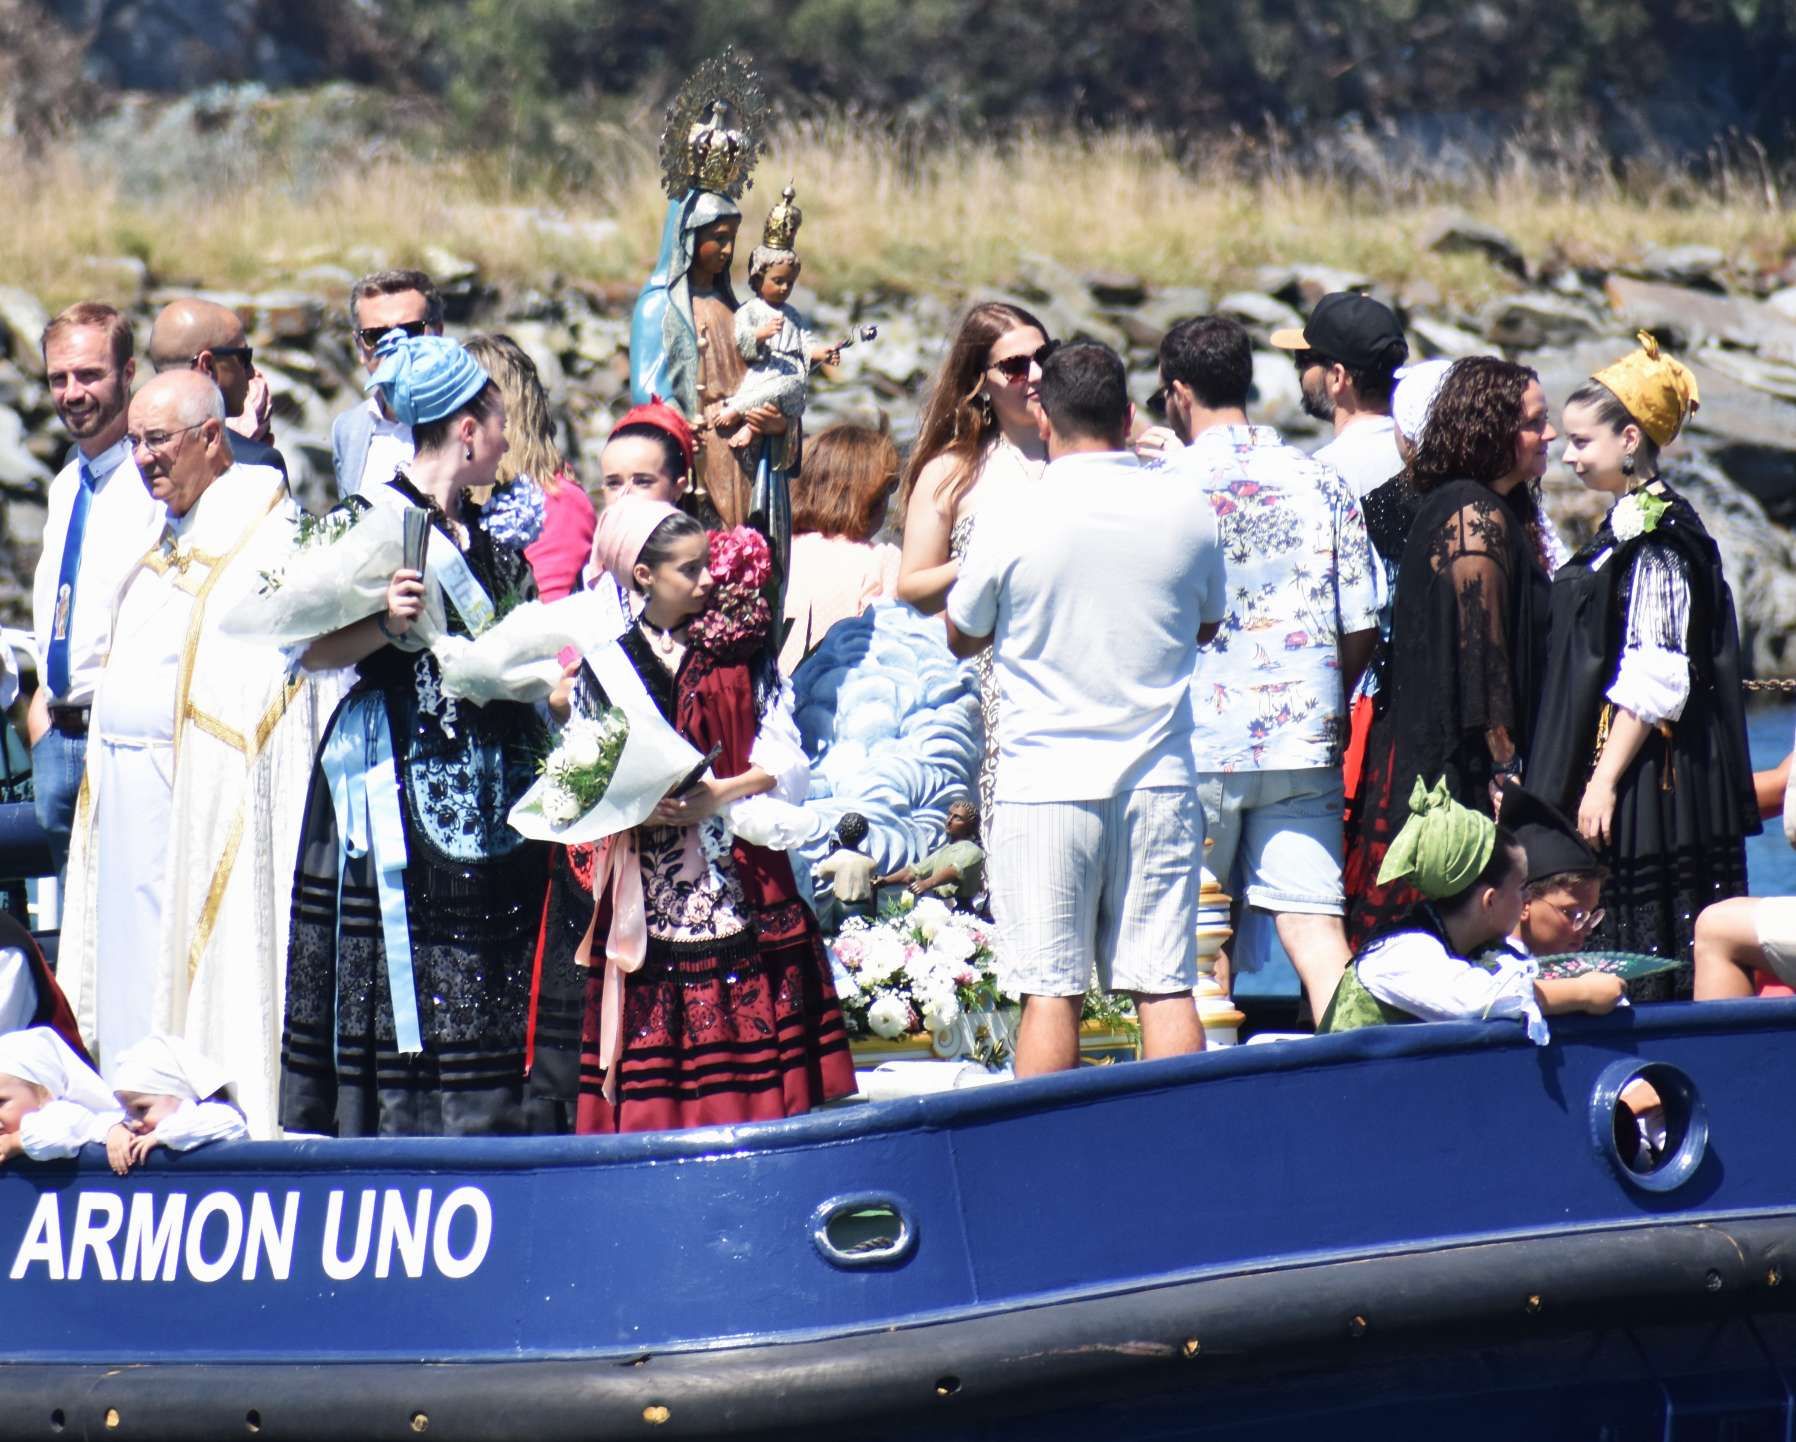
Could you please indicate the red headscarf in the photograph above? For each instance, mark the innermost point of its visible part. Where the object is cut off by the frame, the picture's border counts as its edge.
(663, 417)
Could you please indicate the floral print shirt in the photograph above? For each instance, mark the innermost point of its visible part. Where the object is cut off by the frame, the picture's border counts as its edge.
(1267, 693)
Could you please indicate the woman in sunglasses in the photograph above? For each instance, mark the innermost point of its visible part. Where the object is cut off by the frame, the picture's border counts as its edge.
(978, 429)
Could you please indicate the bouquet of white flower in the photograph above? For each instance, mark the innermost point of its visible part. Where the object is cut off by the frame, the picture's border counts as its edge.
(915, 973)
(581, 766)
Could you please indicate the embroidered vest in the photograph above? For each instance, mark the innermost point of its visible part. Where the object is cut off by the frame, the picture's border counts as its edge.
(1353, 1006)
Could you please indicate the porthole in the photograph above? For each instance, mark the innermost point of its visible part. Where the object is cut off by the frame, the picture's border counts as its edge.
(1648, 1121)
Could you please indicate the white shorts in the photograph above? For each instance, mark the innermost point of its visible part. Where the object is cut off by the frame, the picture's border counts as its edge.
(1284, 828)
(1110, 882)
(1775, 919)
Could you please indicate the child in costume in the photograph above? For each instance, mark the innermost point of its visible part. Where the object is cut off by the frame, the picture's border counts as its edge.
(52, 1103)
(680, 979)
(1562, 900)
(1641, 730)
(173, 1096)
(1471, 874)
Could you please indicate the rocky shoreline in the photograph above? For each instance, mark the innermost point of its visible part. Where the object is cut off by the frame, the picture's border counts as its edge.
(1737, 331)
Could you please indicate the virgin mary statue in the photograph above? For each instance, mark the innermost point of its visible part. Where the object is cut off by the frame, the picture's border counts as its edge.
(682, 341)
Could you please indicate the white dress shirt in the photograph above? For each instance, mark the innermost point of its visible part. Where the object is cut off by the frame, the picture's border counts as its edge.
(389, 448)
(123, 522)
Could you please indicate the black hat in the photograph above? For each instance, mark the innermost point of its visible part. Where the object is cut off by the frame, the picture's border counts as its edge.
(1552, 843)
(1350, 328)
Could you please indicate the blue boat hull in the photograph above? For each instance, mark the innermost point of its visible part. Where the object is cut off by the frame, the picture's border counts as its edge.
(1414, 1223)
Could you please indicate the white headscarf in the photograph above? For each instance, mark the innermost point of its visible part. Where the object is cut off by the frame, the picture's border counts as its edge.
(1413, 399)
(166, 1066)
(39, 1056)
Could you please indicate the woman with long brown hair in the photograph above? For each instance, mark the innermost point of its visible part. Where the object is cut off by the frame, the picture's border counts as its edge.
(978, 429)
(1468, 625)
(838, 504)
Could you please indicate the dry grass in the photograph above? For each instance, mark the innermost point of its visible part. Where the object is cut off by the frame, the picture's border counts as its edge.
(881, 213)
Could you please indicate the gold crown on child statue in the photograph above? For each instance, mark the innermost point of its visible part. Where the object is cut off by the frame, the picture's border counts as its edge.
(781, 230)
(712, 137)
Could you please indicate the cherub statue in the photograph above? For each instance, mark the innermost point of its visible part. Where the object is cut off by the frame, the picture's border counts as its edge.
(955, 870)
(771, 335)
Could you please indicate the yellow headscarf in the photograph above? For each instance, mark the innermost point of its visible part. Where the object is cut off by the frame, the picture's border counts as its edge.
(1442, 847)
(1658, 391)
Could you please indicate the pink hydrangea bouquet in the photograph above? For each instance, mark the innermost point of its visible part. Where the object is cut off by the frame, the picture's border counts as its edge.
(738, 617)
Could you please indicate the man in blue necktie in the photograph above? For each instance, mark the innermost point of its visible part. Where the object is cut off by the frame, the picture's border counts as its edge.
(101, 519)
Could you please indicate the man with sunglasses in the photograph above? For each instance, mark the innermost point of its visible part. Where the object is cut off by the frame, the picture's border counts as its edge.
(194, 334)
(367, 444)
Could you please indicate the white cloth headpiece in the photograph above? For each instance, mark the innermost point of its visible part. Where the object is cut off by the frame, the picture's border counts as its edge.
(166, 1066)
(1413, 398)
(39, 1056)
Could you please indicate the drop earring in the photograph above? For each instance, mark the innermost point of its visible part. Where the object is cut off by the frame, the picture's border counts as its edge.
(467, 454)
(1627, 464)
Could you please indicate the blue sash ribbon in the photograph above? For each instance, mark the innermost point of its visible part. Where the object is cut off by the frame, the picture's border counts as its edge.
(363, 776)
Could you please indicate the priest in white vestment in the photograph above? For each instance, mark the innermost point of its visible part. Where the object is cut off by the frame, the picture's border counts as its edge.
(199, 758)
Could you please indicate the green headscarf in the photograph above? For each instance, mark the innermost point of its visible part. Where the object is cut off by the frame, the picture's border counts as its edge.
(1442, 847)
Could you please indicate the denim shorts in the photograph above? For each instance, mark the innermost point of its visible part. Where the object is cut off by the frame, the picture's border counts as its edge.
(1282, 831)
(1111, 884)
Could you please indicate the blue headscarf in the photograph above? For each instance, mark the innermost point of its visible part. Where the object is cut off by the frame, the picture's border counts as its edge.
(424, 378)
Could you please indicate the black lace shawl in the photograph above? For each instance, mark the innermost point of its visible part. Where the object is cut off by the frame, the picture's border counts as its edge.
(1468, 632)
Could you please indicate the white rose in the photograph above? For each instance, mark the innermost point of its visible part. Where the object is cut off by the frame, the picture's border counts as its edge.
(889, 1016)
(930, 916)
(1628, 519)
(952, 944)
(581, 743)
(941, 1010)
(882, 957)
(560, 805)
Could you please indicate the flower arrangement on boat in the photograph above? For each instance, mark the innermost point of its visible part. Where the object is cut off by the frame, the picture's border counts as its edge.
(915, 971)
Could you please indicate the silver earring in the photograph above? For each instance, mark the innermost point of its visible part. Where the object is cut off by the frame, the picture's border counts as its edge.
(467, 454)
(1627, 464)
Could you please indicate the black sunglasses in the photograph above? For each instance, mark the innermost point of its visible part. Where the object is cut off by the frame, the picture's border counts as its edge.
(1016, 367)
(244, 353)
(371, 336)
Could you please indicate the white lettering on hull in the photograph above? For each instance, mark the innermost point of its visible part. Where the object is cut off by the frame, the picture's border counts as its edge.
(173, 1237)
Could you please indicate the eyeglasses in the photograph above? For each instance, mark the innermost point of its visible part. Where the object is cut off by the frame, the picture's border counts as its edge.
(158, 440)
(244, 353)
(1576, 917)
(370, 336)
(1016, 367)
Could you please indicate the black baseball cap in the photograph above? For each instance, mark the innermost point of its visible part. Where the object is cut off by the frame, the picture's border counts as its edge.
(1351, 328)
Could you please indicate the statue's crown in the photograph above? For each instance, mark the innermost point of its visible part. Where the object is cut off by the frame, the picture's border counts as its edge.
(717, 154)
(714, 126)
(781, 232)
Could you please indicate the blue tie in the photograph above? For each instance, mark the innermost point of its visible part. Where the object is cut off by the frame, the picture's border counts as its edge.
(57, 661)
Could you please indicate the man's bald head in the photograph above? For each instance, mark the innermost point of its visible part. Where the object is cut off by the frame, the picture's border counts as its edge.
(178, 437)
(207, 337)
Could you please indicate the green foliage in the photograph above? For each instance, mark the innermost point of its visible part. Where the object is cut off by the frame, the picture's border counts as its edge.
(516, 73)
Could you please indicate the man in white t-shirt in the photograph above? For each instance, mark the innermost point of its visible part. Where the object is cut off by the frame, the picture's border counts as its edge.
(1347, 355)
(1095, 587)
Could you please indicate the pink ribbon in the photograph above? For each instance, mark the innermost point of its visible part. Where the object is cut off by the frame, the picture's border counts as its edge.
(618, 870)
